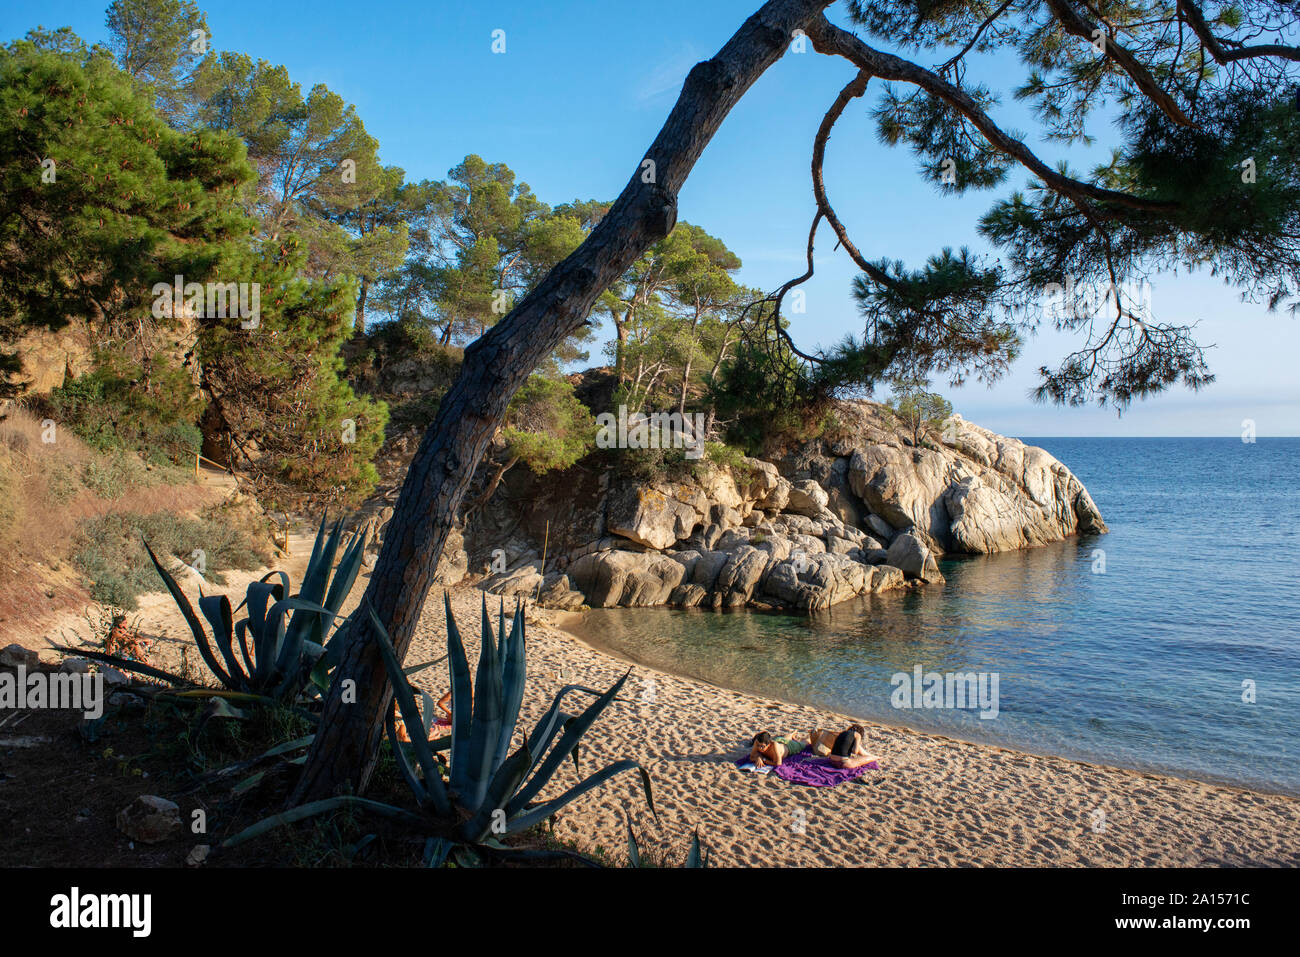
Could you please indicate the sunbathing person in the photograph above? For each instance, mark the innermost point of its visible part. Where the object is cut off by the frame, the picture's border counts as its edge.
(821, 741)
(847, 751)
(766, 750)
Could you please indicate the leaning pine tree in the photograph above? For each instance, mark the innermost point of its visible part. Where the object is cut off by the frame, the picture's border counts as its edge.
(1202, 90)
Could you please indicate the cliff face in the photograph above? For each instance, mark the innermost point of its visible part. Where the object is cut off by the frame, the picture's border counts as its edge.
(828, 521)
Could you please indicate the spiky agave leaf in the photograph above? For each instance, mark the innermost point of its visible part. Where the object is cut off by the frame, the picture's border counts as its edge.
(191, 619)
(489, 709)
(304, 811)
(574, 730)
(433, 786)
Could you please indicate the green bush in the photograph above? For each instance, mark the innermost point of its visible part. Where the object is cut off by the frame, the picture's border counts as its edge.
(117, 567)
(118, 406)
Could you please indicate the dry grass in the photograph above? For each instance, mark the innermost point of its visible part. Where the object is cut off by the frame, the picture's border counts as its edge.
(49, 490)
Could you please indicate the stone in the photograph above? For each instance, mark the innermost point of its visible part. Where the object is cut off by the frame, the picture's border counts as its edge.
(629, 579)
(880, 527)
(15, 655)
(74, 666)
(807, 498)
(150, 819)
(112, 677)
(653, 516)
(909, 553)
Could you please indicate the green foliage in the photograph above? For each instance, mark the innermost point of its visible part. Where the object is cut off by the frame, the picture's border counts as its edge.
(116, 565)
(123, 200)
(489, 791)
(638, 858)
(547, 427)
(918, 411)
(120, 405)
(153, 42)
(479, 241)
(278, 388)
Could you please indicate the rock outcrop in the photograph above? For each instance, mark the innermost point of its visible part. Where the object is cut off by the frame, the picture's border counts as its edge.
(828, 521)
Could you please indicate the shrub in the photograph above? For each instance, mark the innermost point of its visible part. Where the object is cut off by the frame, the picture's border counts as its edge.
(119, 405)
(113, 558)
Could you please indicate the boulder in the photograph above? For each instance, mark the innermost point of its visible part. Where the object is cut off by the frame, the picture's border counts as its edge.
(654, 516)
(880, 527)
(739, 576)
(630, 579)
(807, 498)
(453, 564)
(909, 553)
(15, 655)
(150, 819)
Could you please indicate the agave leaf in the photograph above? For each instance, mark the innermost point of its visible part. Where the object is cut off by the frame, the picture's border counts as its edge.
(258, 596)
(404, 763)
(321, 564)
(573, 732)
(248, 783)
(633, 852)
(286, 660)
(284, 585)
(288, 746)
(552, 721)
(267, 645)
(466, 856)
(514, 676)
(540, 813)
(416, 669)
(216, 609)
(126, 664)
(693, 856)
(436, 850)
(406, 702)
(304, 811)
(462, 696)
(344, 578)
(191, 619)
(488, 710)
(241, 640)
(503, 784)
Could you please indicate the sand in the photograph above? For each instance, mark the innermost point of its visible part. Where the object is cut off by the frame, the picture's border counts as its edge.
(934, 802)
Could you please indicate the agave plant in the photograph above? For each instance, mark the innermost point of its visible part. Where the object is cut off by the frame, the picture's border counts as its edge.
(287, 645)
(694, 858)
(489, 790)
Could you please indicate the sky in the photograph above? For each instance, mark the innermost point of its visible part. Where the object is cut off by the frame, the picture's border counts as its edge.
(583, 87)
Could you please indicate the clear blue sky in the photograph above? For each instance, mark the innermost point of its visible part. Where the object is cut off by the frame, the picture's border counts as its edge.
(582, 89)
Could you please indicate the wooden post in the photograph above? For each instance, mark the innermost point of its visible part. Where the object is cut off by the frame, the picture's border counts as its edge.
(546, 540)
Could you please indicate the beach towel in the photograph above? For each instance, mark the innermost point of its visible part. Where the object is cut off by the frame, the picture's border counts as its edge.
(808, 768)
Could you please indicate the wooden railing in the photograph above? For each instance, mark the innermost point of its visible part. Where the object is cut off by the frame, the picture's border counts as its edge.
(197, 457)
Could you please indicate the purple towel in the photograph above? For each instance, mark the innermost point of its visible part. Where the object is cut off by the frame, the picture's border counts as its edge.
(807, 768)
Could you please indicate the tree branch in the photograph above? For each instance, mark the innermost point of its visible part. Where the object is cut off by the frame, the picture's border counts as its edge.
(832, 40)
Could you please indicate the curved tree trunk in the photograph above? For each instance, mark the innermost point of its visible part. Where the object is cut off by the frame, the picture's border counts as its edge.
(496, 365)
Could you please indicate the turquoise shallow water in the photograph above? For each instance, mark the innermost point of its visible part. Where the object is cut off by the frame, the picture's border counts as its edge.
(1140, 666)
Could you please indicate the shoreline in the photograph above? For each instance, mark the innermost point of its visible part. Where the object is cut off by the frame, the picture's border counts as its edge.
(565, 620)
(935, 802)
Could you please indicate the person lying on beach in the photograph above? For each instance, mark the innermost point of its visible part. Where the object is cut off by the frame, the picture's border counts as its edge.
(847, 751)
(766, 750)
(821, 741)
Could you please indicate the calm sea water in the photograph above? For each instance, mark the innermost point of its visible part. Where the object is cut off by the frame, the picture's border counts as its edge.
(1141, 665)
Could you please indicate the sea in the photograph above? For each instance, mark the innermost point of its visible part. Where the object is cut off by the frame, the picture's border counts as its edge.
(1169, 644)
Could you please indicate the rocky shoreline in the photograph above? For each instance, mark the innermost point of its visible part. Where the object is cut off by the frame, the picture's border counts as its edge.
(822, 523)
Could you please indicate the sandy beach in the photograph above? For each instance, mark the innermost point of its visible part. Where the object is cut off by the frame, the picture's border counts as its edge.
(934, 802)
